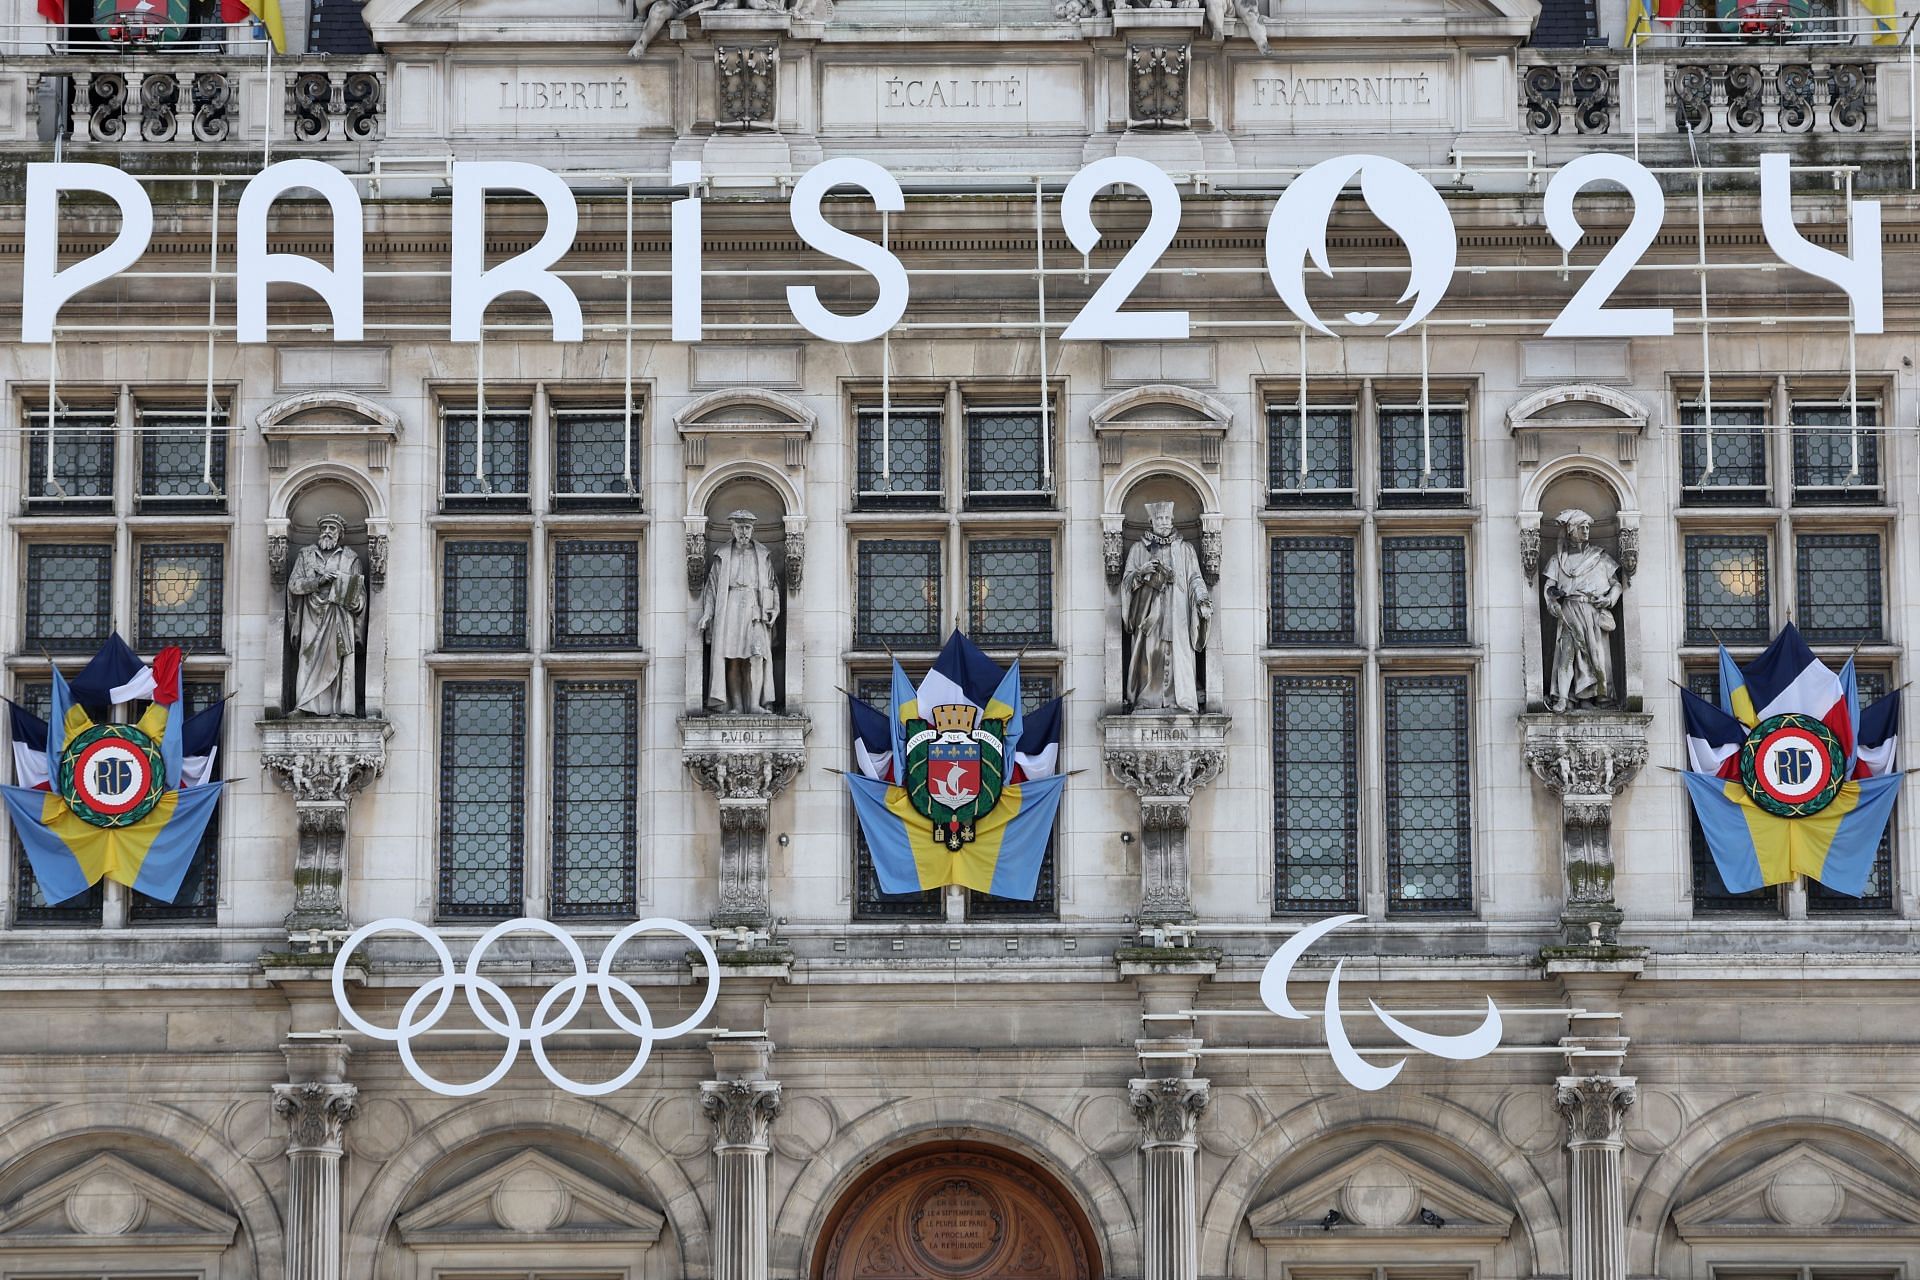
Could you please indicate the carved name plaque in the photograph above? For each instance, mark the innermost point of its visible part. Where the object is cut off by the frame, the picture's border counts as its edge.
(1391, 95)
(955, 1225)
(1040, 97)
(558, 99)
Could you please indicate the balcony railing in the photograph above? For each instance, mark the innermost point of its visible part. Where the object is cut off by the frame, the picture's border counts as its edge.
(194, 100)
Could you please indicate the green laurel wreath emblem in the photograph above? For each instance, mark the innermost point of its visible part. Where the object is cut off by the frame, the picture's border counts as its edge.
(79, 792)
(1807, 727)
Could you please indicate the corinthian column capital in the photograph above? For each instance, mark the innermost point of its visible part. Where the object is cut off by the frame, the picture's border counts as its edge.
(1595, 1108)
(316, 1115)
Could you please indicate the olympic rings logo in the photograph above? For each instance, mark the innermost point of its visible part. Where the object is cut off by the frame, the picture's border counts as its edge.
(635, 1019)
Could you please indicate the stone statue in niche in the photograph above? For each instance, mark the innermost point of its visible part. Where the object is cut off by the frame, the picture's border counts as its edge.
(1581, 588)
(326, 617)
(738, 608)
(1168, 612)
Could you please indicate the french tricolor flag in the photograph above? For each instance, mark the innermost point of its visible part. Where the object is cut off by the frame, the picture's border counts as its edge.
(1713, 736)
(1879, 732)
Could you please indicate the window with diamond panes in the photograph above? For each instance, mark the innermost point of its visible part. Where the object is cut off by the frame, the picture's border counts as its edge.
(1727, 589)
(596, 595)
(1836, 454)
(1727, 466)
(81, 444)
(1035, 691)
(1878, 898)
(198, 899)
(869, 901)
(1710, 896)
(30, 904)
(489, 470)
(1316, 794)
(69, 604)
(899, 459)
(1326, 479)
(1423, 456)
(1010, 582)
(183, 461)
(1310, 591)
(483, 593)
(483, 732)
(899, 594)
(181, 587)
(1837, 587)
(1006, 458)
(1423, 595)
(1429, 805)
(596, 458)
(596, 729)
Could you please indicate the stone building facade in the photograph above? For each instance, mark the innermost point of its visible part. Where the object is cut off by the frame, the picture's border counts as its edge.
(1693, 1085)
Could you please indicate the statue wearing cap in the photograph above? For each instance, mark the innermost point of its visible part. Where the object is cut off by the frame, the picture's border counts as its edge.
(1582, 587)
(326, 607)
(738, 608)
(1168, 611)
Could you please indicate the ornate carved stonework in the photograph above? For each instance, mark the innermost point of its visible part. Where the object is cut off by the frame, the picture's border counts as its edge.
(796, 557)
(745, 761)
(697, 559)
(377, 560)
(1530, 551)
(1169, 1110)
(1164, 759)
(316, 1115)
(745, 83)
(1212, 544)
(742, 1111)
(277, 552)
(1113, 551)
(1157, 86)
(324, 763)
(1629, 552)
(1586, 760)
(1595, 1108)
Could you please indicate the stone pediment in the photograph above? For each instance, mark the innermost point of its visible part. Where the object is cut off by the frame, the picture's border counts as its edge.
(1801, 1192)
(109, 1203)
(1380, 1193)
(531, 1199)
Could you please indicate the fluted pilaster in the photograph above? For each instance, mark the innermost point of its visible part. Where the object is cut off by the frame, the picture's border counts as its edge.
(742, 1112)
(1169, 1110)
(1595, 1108)
(316, 1116)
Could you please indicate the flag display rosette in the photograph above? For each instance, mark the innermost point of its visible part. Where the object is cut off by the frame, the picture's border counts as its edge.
(127, 802)
(1790, 777)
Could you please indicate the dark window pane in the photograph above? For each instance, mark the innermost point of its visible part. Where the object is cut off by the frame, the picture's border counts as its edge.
(175, 451)
(592, 464)
(869, 903)
(503, 459)
(181, 588)
(1710, 896)
(1727, 590)
(1838, 585)
(1006, 459)
(1728, 466)
(1423, 591)
(483, 726)
(596, 728)
(1310, 591)
(484, 596)
(1422, 456)
(908, 440)
(899, 595)
(1327, 479)
(1316, 792)
(69, 603)
(1833, 462)
(1429, 820)
(198, 899)
(31, 906)
(1012, 591)
(82, 447)
(596, 595)
(1036, 689)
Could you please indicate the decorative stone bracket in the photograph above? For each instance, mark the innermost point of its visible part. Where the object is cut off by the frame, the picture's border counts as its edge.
(1587, 759)
(324, 763)
(1157, 77)
(745, 761)
(1164, 759)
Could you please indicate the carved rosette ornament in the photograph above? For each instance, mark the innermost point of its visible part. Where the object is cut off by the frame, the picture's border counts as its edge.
(324, 763)
(1164, 760)
(742, 1111)
(745, 761)
(1596, 1108)
(1587, 760)
(316, 1115)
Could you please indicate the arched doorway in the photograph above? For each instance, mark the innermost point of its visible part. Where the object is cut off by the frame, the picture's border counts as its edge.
(957, 1211)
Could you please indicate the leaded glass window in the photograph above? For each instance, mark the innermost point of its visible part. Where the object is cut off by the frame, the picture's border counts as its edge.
(484, 596)
(30, 904)
(595, 464)
(1310, 591)
(1006, 458)
(1036, 689)
(69, 605)
(596, 730)
(181, 588)
(1836, 454)
(1727, 589)
(1429, 806)
(198, 899)
(483, 731)
(1729, 465)
(869, 902)
(907, 442)
(596, 595)
(898, 594)
(1423, 591)
(1710, 896)
(1011, 588)
(183, 464)
(82, 447)
(1878, 898)
(1316, 794)
(484, 470)
(1423, 456)
(1837, 585)
(1326, 479)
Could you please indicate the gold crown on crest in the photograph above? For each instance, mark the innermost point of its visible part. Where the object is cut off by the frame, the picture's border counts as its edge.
(956, 717)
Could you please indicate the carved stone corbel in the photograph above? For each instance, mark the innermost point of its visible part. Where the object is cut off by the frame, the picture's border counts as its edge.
(745, 761)
(324, 763)
(1164, 759)
(1587, 760)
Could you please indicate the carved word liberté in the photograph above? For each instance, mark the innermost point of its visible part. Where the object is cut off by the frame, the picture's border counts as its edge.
(1399, 196)
(564, 95)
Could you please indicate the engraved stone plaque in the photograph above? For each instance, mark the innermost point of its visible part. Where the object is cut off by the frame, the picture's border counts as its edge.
(1372, 96)
(955, 1225)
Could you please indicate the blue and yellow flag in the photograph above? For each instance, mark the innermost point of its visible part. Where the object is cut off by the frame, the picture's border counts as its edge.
(1002, 859)
(1752, 847)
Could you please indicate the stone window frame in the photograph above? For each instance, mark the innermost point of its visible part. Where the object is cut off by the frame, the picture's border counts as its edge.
(1280, 413)
(540, 520)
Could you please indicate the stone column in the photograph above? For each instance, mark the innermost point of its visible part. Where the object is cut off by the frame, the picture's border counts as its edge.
(324, 763)
(316, 1114)
(745, 761)
(1595, 1107)
(1164, 759)
(742, 1112)
(1587, 758)
(1169, 1110)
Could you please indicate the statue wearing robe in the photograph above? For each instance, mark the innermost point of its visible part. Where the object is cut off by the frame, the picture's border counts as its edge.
(1582, 587)
(326, 603)
(1167, 608)
(738, 607)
